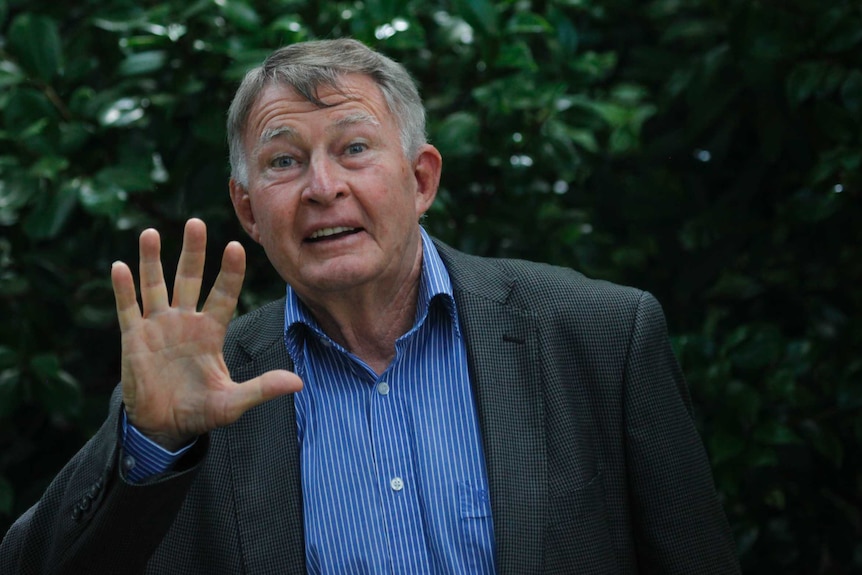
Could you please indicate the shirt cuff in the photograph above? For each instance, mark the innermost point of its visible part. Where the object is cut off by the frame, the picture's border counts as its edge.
(142, 457)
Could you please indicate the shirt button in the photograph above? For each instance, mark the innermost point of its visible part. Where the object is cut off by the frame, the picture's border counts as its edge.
(129, 462)
(397, 484)
(383, 388)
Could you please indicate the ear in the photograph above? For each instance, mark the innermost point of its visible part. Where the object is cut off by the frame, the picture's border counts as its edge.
(242, 208)
(426, 170)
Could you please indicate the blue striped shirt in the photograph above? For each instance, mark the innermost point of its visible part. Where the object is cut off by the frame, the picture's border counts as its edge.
(393, 473)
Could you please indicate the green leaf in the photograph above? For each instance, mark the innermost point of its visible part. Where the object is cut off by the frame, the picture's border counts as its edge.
(132, 177)
(143, 63)
(122, 112)
(103, 200)
(567, 34)
(480, 14)
(762, 346)
(851, 92)
(8, 356)
(724, 446)
(290, 23)
(73, 136)
(10, 74)
(27, 113)
(744, 400)
(774, 433)
(775, 499)
(824, 442)
(847, 36)
(458, 135)
(56, 390)
(16, 191)
(241, 14)
(10, 391)
(803, 80)
(12, 285)
(527, 23)
(49, 167)
(45, 365)
(837, 121)
(736, 286)
(561, 140)
(48, 218)
(694, 30)
(594, 65)
(35, 40)
(382, 10)
(516, 55)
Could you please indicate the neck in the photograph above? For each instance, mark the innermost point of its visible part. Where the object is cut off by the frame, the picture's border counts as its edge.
(367, 322)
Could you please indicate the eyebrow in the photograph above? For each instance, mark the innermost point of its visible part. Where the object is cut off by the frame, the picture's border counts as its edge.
(272, 133)
(286, 131)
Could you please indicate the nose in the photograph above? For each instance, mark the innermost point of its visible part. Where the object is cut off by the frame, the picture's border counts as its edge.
(325, 182)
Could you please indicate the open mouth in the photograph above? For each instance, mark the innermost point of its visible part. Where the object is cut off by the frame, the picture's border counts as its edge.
(331, 234)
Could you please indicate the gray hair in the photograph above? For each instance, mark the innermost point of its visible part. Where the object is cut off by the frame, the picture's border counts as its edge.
(306, 66)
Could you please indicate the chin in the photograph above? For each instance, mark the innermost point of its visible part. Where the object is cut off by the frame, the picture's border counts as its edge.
(335, 281)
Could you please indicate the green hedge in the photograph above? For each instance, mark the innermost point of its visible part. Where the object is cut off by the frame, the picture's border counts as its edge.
(708, 151)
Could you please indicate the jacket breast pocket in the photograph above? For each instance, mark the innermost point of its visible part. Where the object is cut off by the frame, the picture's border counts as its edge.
(579, 535)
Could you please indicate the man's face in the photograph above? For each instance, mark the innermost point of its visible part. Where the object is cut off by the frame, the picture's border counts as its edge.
(331, 197)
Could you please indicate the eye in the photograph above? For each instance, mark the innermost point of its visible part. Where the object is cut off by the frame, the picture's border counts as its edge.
(356, 148)
(282, 162)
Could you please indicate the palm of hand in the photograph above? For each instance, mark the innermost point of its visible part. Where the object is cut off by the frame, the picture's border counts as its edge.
(175, 382)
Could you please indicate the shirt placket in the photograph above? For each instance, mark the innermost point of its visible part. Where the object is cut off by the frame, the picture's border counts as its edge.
(397, 478)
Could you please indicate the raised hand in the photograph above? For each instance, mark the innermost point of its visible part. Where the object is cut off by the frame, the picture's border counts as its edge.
(176, 385)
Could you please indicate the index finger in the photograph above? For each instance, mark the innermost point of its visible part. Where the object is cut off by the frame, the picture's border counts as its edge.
(224, 294)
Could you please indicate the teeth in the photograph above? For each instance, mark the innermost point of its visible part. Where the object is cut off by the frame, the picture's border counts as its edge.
(329, 232)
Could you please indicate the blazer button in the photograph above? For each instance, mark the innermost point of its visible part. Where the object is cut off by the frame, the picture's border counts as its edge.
(94, 491)
(76, 513)
(84, 504)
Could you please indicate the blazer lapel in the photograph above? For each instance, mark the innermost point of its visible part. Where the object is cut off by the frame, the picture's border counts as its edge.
(502, 349)
(264, 458)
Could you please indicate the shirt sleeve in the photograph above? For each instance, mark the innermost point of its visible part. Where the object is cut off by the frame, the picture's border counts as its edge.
(144, 458)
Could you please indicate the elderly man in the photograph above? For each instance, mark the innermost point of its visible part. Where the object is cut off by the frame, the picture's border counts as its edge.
(405, 408)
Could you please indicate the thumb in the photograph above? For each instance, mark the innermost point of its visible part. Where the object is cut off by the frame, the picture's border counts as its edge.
(268, 386)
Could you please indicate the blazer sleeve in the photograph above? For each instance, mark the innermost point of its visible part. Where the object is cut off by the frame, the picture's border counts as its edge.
(90, 520)
(680, 525)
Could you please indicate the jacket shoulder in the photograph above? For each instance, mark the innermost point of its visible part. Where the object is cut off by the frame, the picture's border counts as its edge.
(538, 288)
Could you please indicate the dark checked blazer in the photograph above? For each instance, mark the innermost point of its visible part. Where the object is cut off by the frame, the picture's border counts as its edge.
(594, 463)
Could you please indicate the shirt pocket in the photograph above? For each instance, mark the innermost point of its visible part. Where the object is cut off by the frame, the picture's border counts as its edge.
(476, 528)
(474, 502)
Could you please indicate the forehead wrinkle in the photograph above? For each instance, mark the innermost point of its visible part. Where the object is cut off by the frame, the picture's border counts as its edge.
(357, 118)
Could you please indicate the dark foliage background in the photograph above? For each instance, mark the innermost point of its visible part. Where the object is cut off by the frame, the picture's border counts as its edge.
(706, 150)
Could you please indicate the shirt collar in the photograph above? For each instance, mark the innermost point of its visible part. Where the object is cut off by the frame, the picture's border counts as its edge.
(434, 285)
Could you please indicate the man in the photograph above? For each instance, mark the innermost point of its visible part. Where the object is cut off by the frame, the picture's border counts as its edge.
(456, 414)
